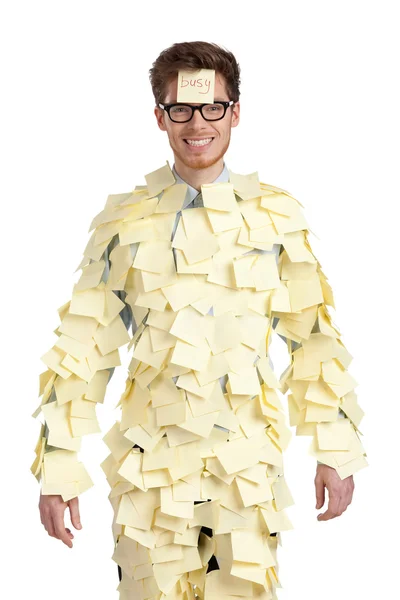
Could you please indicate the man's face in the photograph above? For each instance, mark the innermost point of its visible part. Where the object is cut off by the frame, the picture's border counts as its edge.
(199, 157)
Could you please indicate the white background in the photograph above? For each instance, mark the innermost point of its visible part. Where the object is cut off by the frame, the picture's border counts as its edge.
(320, 118)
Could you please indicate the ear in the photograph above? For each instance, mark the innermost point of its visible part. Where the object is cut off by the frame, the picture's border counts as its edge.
(159, 113)
(235, 115)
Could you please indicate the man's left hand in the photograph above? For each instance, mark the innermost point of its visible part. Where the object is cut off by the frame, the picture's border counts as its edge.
(340, 492)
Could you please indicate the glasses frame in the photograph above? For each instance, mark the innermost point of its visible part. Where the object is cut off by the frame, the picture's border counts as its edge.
(167, 107)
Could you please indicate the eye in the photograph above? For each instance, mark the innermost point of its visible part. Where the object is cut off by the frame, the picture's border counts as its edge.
(179, 109)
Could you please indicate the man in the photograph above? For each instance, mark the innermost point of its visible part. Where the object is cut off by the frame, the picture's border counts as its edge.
(205, 264)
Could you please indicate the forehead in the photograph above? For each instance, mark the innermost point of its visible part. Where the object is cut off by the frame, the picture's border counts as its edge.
(220, 92)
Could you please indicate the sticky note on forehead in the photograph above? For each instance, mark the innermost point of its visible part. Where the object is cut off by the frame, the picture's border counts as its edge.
(196, 86)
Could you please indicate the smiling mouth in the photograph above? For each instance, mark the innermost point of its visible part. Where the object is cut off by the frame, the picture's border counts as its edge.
(198, 143)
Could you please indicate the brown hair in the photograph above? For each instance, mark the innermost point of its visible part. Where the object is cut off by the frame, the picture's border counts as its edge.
(192, 56)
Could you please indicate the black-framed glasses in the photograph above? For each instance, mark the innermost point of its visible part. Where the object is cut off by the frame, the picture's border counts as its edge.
(182, 113)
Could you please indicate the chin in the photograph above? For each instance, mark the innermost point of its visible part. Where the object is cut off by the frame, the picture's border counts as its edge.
(203, 161)
(199, 162)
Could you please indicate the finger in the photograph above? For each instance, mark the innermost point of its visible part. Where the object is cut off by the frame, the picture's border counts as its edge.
(342, 505)
(346, 498)
(74, 512)
(61, 532)
(331, 513)
(319, 491)
(71, 535)
(49, 525)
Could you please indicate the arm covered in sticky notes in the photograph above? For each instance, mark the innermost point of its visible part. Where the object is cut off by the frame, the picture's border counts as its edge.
(322, 401)
(94, 325)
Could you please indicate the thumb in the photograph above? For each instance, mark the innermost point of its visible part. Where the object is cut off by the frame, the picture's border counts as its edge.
(74, 512)
(319, 492)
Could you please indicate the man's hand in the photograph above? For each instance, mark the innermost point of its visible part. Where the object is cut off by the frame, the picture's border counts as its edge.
(340, 492)
(52, 510)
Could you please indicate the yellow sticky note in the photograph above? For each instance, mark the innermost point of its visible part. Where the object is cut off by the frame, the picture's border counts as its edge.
(163, 391)
(240, 357)
(267, 372)
(78, 327)
(131, 468)
(199, 249)
(254, 214)
(223, 221)
(237, 454)
(159, 179)
(196, 86)
(160, 339)
(202, 267)
(171, 414)
(193, 357)
(219, 196)
(188, 326)
(223, 332)
(246, 382)
(144, 351)
(246, 186)
(294, 244)
(70, 388)
(183, 510)
(53, 359)
(201, 426)
(141, 230)
(172, 199)
(187, 290)
(58, 421)
(334, 436)
(111, 337)
(155, 256)
(305, 293)
(196, 223)
(248, 546)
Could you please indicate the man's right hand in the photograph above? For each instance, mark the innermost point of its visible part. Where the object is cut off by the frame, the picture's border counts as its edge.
(52, 508)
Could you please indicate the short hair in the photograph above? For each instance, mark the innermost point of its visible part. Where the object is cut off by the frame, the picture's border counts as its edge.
(192, 56)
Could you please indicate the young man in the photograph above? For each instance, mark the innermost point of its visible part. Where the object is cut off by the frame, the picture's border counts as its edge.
(205, 264)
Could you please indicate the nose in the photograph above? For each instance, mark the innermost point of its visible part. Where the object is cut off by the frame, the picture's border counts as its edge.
(197, 119)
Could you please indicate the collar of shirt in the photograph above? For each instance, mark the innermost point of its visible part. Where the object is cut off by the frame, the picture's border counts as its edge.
(192, 193)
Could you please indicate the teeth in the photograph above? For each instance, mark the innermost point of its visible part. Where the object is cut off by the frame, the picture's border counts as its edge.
(199, 142)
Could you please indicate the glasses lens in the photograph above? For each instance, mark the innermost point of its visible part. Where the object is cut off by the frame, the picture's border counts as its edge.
(180, 113)
(211, 112)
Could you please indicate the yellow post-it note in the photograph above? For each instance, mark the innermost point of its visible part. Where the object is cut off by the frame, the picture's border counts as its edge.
(196, 86)
(189, 326)
(155, 256)
(334, 436)
(219, 196)
(172, 199)
(192, 357)
(247, 186)
(159, 179)
(248, 546)
(58, 422)
(237, 455)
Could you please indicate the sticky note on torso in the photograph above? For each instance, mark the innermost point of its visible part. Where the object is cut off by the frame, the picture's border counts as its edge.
(196, 86)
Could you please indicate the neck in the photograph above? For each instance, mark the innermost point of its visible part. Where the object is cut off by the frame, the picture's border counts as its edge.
(196, 177)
